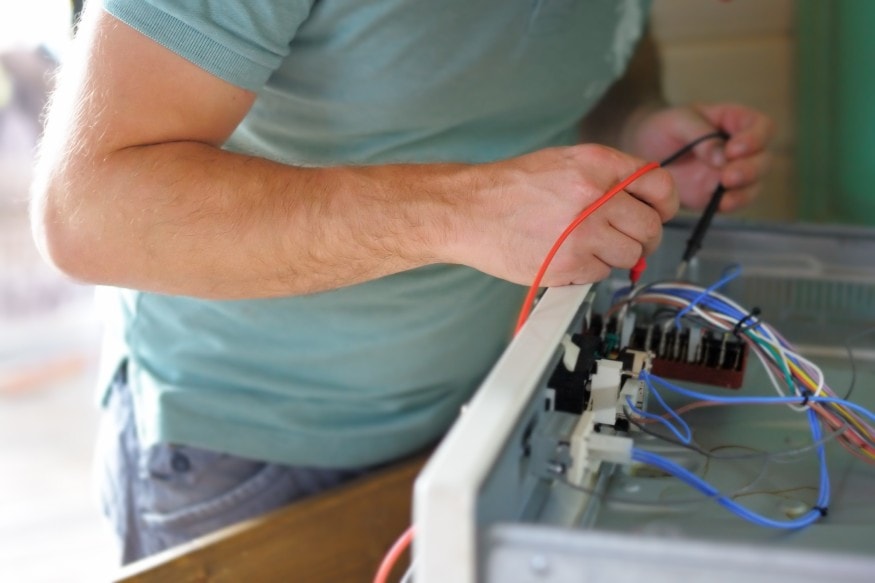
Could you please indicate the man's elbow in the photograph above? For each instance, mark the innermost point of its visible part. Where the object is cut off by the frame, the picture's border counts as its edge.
(61, 232)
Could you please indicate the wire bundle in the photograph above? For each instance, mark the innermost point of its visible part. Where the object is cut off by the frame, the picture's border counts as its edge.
(800, 384)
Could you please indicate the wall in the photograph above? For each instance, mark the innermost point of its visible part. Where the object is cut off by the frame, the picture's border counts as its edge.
(740, 50)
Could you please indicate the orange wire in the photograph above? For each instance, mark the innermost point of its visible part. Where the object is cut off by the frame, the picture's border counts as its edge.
(393, 555)
(533, 290)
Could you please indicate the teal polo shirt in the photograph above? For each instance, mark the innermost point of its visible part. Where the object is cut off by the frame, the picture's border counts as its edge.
(367, 373)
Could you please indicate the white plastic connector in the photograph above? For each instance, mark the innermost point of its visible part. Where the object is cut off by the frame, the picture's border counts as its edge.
(609, 448)
(641, 360)
(579, 440)
(636, 390)
(605, 388)
(571, 352)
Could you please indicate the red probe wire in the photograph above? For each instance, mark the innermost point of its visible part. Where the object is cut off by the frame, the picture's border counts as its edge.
(635, 272)
(388, 562)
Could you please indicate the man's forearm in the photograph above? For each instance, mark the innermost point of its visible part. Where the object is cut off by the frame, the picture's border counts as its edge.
(188, 218)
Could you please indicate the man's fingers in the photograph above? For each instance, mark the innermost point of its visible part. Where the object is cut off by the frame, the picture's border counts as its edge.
(638, 222)
(657, 189)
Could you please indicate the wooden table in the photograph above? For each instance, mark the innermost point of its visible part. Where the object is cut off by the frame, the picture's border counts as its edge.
(339, 536)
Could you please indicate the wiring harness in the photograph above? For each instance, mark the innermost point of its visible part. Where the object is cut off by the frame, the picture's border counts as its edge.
(799, 384)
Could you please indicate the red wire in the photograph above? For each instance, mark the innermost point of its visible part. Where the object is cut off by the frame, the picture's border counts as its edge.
(393, 555)
(533, 290)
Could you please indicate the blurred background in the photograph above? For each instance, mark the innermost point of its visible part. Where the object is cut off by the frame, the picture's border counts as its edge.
(49, 521)
(805, 62)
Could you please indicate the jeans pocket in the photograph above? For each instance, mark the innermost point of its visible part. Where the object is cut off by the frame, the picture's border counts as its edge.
(186, 492)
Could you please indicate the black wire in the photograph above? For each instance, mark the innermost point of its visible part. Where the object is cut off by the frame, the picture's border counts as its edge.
(852, 359)
(694, 243)
(741, 456)
(686, 149)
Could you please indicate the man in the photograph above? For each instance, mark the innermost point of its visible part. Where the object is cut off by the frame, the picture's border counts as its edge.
(327, 208)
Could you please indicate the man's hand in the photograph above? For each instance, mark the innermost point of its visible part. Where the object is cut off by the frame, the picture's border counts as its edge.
(520, 206)
(739, 163)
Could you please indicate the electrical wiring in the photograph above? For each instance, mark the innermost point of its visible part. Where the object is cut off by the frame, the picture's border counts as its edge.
(798, 382)
(756, 400)
(687, 148)
(682, 504)
(684, 434)
(818, 511)
(669, 505)
(649, 379)
(810, 517)
(778, 456)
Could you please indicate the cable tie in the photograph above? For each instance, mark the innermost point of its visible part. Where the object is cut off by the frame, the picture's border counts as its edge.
(806, 395)
(824, 510)
(743, 326)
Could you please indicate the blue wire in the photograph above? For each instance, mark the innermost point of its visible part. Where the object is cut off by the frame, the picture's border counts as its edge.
(733, 272)
(710, 302)
(648, 378)
(709, 490)
(642, 413)
(688, 433)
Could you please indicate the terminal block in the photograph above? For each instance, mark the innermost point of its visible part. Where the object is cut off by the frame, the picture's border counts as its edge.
(693, 354)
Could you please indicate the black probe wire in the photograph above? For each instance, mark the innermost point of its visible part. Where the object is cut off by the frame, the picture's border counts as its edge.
(718, 135)
(694, 243)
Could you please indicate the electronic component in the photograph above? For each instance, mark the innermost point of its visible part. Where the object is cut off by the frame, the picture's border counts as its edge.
(693, 354)
(569, 382)
(588, 398)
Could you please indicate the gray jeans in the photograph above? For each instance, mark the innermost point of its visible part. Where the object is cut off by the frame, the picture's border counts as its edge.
(160, 496)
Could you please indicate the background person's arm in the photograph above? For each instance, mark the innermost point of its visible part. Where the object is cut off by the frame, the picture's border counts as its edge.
(133, 190)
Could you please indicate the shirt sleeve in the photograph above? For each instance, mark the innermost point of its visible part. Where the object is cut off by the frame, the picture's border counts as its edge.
(242, 42)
